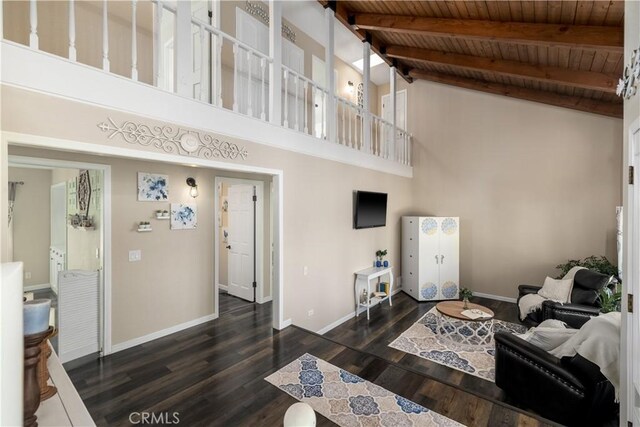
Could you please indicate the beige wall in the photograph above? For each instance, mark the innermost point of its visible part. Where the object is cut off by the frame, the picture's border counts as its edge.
(534, 185)
(32, 226)
(318, 231)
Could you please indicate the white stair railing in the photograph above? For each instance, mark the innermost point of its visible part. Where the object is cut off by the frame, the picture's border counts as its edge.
(303, 105)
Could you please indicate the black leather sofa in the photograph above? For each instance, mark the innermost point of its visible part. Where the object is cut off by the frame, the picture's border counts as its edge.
(571, 391)
(584, 300)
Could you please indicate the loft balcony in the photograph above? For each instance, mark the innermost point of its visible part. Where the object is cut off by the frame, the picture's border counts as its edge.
(177, 61)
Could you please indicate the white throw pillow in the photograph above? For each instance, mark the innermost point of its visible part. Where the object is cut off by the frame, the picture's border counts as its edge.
(558, 290)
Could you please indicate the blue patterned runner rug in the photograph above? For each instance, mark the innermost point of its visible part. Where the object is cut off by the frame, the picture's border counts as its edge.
(347, 399)
(422, 340)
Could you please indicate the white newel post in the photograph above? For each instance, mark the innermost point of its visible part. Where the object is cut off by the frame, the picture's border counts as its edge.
(275, 71)
(134, 41)
(391, 145)
(72, 30)
(33, 23)
(105, 35)
(216, 54)
(366, 119)
(183, 49)
(329, 62)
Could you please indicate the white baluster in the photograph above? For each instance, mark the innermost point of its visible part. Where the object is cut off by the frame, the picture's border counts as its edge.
(1, 22)
(218, 69)
(203, 65)
(134, 41)
(263, 66)
(344, 123)
(158, 46)
(350, 126)
(235, 77)
(297, 109)
(249, 83)
(306, 107)
(105, 36)
(286, 98)
(409, 144)
(33, 21)
(72, 30)
(324, 106)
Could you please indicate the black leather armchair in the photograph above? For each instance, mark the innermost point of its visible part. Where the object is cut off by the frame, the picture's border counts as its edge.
(571, 391)
(584, 300)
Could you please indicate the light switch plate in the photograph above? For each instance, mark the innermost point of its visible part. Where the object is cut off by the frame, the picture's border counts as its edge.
(135, 255)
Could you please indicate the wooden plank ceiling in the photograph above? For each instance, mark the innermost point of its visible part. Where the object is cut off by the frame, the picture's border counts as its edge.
(564, 53)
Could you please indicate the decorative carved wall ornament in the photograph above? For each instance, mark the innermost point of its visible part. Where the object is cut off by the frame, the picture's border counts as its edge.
(259, 11)
(629, 81)
(174, 140)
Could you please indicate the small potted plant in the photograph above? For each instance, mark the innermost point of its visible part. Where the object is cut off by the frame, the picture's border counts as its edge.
(465, 294)
(380, 254)
(609, 300)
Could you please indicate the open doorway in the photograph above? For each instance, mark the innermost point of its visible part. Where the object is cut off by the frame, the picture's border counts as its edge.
(56, 229)
(240, 237)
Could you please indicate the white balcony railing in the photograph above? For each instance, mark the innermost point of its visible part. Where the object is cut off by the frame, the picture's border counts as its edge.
(202, 62)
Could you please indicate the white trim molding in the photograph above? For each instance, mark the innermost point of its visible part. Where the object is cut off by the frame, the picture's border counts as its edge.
(162, 333)
(495, 297)
(32, 288)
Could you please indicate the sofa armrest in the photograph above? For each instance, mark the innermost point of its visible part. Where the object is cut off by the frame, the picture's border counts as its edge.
(522, 368)
(574, 315)
(527, 289)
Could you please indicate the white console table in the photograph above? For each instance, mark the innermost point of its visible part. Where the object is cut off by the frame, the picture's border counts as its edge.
(363, 281)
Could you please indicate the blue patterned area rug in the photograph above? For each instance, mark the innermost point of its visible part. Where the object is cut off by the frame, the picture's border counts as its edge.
(347, 399)
(422, 340)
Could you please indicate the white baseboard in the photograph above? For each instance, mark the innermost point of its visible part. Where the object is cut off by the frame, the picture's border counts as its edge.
(286, 323)
(223, 287)
(349, 316)
(264, 300)
(159, 334)
(495, 297)
(79, 352)
(32, 288)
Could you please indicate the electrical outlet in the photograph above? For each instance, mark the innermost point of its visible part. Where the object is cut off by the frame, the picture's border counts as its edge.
(135, 255)
(305, 270)
(27, 275)
(310, 313)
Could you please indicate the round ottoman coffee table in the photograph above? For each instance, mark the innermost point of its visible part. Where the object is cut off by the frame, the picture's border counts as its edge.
(455, 327)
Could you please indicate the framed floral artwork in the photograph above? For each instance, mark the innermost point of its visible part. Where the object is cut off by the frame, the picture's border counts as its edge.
(153, 187)
(183, 216)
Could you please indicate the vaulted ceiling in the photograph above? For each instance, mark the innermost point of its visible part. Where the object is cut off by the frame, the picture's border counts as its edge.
(564, 53)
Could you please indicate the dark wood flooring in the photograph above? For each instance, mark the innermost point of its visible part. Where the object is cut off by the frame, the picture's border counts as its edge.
(213, 374)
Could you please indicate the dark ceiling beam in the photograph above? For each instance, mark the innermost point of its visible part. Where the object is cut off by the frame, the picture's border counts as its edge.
(573, 102)
(580, 36)
(582, 79)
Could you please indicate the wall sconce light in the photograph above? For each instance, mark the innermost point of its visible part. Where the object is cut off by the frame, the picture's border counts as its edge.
(191, 182)
(350, 87)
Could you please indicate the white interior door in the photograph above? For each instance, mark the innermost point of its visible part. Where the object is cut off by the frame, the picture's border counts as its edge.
(241, 240)
(633, 275)
(449, 271)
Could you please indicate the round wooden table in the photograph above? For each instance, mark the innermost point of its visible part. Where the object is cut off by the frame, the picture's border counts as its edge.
(458, 328)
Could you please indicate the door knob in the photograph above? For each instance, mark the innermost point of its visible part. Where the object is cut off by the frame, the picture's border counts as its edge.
(436, 259)
(441, 259)
(228, 247)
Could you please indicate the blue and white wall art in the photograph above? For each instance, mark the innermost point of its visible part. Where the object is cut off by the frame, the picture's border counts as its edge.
(153, 187)
(183, 216)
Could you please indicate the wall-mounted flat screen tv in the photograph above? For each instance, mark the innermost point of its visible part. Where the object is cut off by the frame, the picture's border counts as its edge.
(370, 210)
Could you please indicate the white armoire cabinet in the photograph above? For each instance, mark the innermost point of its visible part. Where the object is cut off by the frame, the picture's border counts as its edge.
(430, 257)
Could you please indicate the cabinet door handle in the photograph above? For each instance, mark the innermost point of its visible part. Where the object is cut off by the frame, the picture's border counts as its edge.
(441, 259)
(436, 259)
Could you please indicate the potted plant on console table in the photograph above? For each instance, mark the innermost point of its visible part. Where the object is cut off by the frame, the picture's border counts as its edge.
(380, 254)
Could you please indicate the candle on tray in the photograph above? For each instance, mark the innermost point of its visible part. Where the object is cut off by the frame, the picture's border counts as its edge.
(36, 316)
